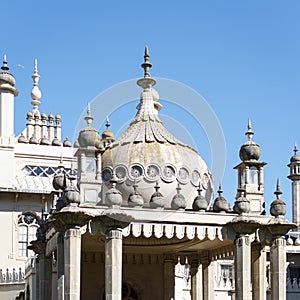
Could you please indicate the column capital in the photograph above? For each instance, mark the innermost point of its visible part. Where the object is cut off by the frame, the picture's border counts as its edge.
(114, 234)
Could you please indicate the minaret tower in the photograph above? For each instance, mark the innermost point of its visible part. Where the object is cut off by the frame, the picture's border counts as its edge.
(250, 174)
(8, 92)
(294, 166)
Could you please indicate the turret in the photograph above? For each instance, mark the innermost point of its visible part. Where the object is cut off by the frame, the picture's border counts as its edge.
(250, 174)
(294, 176)
(8, 92)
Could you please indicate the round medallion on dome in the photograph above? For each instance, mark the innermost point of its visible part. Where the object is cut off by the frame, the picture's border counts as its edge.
(205, 181)
(168, 173)
(121, 173)
(183, 175)
(195, 178)
(136, 172)
(107, 174)
(152, 172)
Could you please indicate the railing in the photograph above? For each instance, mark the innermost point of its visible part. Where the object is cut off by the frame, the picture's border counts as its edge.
(293, 284)
(11, 277)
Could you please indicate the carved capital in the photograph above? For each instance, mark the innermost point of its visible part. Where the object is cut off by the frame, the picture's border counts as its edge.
(243, 240)
(114, 234)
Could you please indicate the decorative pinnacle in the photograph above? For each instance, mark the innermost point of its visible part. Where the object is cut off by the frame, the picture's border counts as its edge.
(249, 133)
(295, 149)
(35, 93)
(220, 191)
(178, 188)
(107, 124)
(278, 192)
(4, 66)
(146, 65)
(88, 118)
(157, 187)
(199, 189)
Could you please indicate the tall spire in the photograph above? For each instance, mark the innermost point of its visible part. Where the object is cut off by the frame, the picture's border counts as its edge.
(295, 149)
(107, 124)
(36, 94)
(146, 65)
(88, 118)
(147, 81)
(249, 133)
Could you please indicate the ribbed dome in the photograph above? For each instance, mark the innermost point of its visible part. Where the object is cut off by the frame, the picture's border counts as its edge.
(148, 153)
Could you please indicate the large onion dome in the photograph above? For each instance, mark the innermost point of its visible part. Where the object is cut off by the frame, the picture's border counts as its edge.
(295, 157)
(147, 153)
(250, 150)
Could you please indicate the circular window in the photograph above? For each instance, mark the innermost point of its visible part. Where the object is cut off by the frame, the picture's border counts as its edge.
(152, 172)
(183, 175)
(168, 173)
(107, 174)
(136, 172)
(195, 180)
(121, 173)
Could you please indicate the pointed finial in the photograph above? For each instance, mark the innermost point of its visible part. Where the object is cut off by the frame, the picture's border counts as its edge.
(146, 65)
(4, 66)
(249, 133)
(107, 124)
(199, 189)
(178, 188)
(36, 93)
(88, 118)
(295, 149)
(278, 192)
(220, 191)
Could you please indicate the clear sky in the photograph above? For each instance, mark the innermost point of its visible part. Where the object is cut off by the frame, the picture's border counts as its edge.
(241, 56)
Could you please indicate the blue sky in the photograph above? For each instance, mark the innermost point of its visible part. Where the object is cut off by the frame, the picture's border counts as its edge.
(241, 56)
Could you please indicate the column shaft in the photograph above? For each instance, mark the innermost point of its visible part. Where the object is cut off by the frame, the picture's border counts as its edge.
(113, 265)
(278, 269)
(72, 260)
(196, 277)
(60, 267)
(242, 264)
(258, 272)
(169, 278)
(208, 278)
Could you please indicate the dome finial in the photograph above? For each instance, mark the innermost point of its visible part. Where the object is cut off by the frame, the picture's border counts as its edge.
(107, 124)
(295, 149)
(4, 66)
(88, 118)
(146, 65)
(249, 133)
(278, 192)
(36, 93)
(220, 191)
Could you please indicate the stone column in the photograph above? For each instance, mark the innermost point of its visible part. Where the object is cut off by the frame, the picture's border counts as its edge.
(258, 258)
(242, 265)
(169, 278)
(60, 267)
(278, 269)
(113, 264)
(196, 277)
(208, 280)
(72, 260)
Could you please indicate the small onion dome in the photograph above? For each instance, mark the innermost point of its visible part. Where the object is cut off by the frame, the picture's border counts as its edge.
(113, 195)
(242, 204)
(71, 193)
(59, 181)
(107, 134)
(67, 143)
(50, 117)
(45, 141)
(29, 115)
(295, 157)
(200, 203)
(43, 117)
(250, 150)
(278, 207)
(22, 139)
(297, 242)
(57, 117)
(135, 198)
(88, 137)
(157, 198)
(178, 201)
(220, 204)
(289, 241)
(56, 142)
(76, 144)
(5, 76)
(33, 140)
